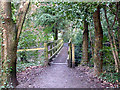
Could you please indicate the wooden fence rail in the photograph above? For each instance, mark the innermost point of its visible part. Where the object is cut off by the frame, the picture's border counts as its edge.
(52, 48)
(34, 49)
(71, 54)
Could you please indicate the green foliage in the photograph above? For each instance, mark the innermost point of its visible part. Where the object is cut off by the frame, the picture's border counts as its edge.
(21, 66)
(109, 77)
(28, 40)
(78, 46)
(67, 17)
(46, 19)
(13, 7)
(49, 18)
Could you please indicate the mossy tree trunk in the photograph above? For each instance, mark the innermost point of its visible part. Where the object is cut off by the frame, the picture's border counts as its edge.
(98, 42)
(10, 37)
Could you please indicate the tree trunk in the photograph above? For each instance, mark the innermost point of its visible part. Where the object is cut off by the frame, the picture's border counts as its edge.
(98, 42)
(10, 37)
(9, 47)
(56, 34)
(0, 36)
(85, 44)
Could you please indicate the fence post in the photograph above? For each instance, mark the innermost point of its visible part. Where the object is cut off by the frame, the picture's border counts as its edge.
(73, 56)
(54, 49)
(70, 54)
(51, 53)
(62, 43)
(46, 54)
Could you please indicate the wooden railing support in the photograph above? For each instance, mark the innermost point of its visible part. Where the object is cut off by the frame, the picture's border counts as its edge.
(71, 54)
(55, 47)
(46, 54)
(51, 53)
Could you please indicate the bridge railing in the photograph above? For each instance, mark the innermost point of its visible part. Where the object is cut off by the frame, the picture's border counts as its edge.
(71, 54)
(52, 48)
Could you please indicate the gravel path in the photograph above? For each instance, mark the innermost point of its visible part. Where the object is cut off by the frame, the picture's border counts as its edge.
(58, 75)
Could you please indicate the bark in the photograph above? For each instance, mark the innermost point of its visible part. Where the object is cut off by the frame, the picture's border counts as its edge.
(85, 44)
(98, 42)
(10, 37)
(8, 52)
(21, 17)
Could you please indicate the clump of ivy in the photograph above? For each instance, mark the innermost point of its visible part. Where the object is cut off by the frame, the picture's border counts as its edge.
(110, 77)
(6, 70)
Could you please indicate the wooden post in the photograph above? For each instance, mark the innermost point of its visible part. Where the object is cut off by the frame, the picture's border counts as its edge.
(56, 45)
(62, 42)
(70, 54)
(46, 54)
(73, 56)
(54, 49)
(51, 53)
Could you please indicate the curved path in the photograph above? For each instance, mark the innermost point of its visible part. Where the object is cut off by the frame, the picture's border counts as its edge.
(58, 75)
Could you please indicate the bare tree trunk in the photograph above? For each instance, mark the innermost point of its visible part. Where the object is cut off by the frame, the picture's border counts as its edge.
(118, 18)
(10, 37)
(0, 36)
(98, 42)
(113, 43)
(85, 44)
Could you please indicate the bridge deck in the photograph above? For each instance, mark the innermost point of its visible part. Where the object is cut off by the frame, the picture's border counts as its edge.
(62, 55)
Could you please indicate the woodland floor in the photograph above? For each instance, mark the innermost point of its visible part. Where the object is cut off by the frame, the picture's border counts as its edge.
(58, 75)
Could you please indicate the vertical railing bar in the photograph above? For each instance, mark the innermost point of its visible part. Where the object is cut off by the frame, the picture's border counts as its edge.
(46, 54)
(73, 56)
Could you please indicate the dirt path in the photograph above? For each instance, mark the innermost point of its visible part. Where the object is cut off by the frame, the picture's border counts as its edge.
(58, 75)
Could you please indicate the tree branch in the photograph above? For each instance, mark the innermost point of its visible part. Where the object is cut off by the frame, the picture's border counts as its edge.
(115, 15)
(21, 17)
(112, 41)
